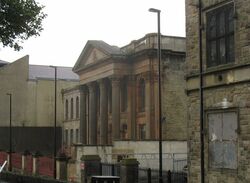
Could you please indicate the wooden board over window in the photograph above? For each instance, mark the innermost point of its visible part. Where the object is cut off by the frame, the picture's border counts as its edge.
(222, 127)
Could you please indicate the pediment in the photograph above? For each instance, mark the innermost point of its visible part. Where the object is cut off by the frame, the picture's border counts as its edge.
(93, 57)
(94, 52)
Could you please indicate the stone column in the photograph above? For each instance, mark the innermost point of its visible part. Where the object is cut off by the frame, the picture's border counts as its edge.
(131, 107)
(83, 121)
(103, 112)
(92, 114)
(115, 108)
(148, 104)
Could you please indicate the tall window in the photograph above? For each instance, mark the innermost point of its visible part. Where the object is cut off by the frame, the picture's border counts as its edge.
(141, 95)
(66, 109)
(222, 127)
(142, 131)
(66, 138)
(77, 136)
(77, 107)
(124, 96)
(71, 136)
(110, 98)
(71, 108)
(220, 36)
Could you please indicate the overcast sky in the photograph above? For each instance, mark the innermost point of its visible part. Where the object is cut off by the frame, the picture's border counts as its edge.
(117, 22)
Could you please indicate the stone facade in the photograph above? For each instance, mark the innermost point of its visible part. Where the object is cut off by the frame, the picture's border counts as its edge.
(119, 91)
(226, 90)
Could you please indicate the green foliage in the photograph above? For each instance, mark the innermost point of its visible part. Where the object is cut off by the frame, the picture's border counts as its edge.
(19, 20)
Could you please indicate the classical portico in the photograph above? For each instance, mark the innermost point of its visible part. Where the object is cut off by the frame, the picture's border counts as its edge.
(113, 106)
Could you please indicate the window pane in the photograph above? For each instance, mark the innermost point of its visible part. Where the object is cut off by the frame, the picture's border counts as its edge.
(77, 136)
(215, 127)
(211, 26)
(222, 52)
(231, 20)
(216, 154)
(71, 136)
(142, 132)
(230, 126)
(231, 49)
(66, 137)
(221, 23)
(230, 155)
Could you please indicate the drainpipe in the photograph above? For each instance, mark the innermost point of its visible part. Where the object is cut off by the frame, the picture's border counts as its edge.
(201, 96)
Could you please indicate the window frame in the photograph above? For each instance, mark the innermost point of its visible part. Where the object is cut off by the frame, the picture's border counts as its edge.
(221, 111)
(77, 107)
(142, 131)
(227, 35)
(66, 109)
(142, 95)
(72, 108)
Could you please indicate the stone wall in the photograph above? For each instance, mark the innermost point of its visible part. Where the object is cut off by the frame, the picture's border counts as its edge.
(231, 81)
(174, 98)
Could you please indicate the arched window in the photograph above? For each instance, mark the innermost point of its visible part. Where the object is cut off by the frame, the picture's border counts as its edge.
(77, 107)
(141, 95)
(71, 108)
(66, 109)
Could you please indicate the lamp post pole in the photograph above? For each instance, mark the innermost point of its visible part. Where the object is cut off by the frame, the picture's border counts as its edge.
(159, 90)
(55, 111)
(10, 133)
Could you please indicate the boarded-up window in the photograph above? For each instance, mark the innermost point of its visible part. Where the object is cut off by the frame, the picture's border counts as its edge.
(223, 140)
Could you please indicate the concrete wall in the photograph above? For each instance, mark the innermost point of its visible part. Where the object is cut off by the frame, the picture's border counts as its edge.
(32, 100)
(146, 152)
(13, 79)
(231, 81)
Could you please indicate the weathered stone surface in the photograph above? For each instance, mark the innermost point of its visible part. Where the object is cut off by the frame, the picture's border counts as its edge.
(236, 91)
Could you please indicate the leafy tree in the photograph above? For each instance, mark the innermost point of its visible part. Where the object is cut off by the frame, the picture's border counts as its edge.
(19, 20)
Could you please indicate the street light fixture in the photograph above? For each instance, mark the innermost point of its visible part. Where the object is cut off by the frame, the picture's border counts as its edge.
(159, 90)
(55, 79)
(10, 133)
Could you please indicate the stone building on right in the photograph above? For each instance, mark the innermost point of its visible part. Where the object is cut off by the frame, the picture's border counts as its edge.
(224, 34)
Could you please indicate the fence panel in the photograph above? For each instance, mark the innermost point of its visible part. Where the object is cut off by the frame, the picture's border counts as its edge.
(16, 160)
(110, 169)
(28, 164)
(46, 166)
(3, 157)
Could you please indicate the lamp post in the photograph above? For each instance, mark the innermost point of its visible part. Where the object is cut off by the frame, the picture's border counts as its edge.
(55, 79)
(159, 90)
(10, 132)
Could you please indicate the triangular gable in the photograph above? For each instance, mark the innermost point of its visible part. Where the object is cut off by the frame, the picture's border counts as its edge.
(94, 55)
(93, 52)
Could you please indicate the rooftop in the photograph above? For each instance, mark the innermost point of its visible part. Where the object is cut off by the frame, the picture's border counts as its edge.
(46, 72)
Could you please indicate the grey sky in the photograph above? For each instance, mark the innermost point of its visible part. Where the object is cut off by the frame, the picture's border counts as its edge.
(117, 22)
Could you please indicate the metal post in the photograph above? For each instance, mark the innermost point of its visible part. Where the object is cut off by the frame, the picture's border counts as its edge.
(201, 97)
(55, 112)
(10, 131)
(159, 90)
(149, 175)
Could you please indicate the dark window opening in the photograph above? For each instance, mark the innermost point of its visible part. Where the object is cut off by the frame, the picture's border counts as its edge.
(220, 36)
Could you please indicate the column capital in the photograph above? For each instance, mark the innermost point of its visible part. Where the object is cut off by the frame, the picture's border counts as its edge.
(82, 88)
(92, 87)
(102, 83)
(115, 80)
(131, 78)
(146, 76)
